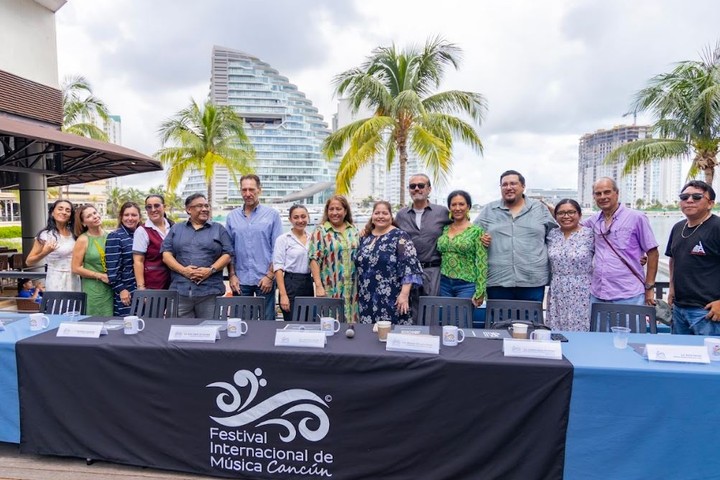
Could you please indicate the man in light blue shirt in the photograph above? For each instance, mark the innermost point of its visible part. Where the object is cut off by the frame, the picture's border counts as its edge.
(254, 229)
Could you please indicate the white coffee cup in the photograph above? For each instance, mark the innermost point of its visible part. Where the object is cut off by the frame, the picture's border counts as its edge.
(518, 330)
(383, 328)
(133, 325)
(541, 335)
(452, 335)
(38, 321)
(329, 325)
(713, 348)
(236, 327)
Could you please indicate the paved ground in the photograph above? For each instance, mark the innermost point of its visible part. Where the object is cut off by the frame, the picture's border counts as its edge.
(14, 466)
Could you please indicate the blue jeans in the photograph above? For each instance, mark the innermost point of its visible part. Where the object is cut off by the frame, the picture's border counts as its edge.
(692, 321)
(636, 300)
(532, 294)
(197, 307)
(454, 287)
(254, 291)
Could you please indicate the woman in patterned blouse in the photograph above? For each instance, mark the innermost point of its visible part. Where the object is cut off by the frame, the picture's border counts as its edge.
(331, 250)
(464, 263)
(119, 258)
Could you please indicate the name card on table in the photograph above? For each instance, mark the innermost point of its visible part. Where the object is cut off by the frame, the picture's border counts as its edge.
(412, 342)
(677, 353)
(193, 333)
(81, 329)
(300, 338)
(513, 347)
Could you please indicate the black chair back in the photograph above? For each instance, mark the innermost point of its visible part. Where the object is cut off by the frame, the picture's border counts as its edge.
(310, 309)
(155, 303)
(446, 311)
(501, 313)
(638, 318)
(247, 308)
(57, 303)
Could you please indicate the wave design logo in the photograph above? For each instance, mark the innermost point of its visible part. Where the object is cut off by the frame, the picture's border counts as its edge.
(297, 400)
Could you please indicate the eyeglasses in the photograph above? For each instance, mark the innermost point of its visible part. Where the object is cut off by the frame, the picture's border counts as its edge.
(201, 206)
(418, 186)
(695, 196)
(155, 206)
(567, 213)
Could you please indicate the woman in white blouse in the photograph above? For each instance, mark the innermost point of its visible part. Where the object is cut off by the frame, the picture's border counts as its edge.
(54, 246)
(291, 262)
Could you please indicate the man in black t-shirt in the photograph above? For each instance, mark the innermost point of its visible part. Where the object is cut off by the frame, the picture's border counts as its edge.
(694, 251)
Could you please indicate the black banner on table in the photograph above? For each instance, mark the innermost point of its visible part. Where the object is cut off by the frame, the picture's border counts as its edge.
(242, 408)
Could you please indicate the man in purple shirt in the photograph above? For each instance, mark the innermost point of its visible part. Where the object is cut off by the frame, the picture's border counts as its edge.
(622, 237)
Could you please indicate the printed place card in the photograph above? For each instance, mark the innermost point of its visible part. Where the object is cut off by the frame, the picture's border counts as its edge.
(677, 353)
(81, 329)
(193, 333)
(300, 338)
(513, 347)
(412, 329)
(412, 342)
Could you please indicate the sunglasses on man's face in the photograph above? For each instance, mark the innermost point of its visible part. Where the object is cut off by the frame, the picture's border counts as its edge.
(419, 186)
(694, 196)
(151, 206)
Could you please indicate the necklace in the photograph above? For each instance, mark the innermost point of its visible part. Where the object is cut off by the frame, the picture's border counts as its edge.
(695, 228)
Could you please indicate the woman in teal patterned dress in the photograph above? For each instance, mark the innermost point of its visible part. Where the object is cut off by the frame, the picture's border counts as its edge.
(463, 268)
(88, 261)
(331, 249)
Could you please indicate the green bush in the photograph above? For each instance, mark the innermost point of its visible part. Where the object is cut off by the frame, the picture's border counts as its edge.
(11, 232)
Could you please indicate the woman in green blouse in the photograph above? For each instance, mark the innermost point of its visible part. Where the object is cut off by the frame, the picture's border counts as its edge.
(463, 267)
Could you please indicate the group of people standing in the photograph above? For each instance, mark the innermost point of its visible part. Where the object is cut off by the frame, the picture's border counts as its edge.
(515, 248)
(81, 256)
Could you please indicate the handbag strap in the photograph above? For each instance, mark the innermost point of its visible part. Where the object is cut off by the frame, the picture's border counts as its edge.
(622, 259)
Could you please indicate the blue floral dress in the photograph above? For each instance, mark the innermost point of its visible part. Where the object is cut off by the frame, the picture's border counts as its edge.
(568, 305)
(384, 264)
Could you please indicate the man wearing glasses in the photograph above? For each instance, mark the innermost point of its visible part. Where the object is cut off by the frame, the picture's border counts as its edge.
(424, 222)
(622, 237)
(518, 266)
(694, 251)
(196, 252)
(254, 229)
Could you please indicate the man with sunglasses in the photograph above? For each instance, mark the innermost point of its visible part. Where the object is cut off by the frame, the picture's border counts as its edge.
(424, 222)
(694, 251)
(622, 237)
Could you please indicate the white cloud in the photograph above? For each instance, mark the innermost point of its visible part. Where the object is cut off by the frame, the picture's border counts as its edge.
(551, 71)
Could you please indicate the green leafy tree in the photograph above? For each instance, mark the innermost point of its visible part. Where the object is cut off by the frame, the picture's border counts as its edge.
(409, 116)
(204, 138)
(80, 106)
(686, 105)
(115, 198)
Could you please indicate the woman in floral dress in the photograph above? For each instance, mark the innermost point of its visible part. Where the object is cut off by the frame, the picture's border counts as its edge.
(331, 250)
(387, 266)
(570, 249)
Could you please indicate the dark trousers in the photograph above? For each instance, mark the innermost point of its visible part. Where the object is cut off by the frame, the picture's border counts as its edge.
(296, 285)
(533, 294)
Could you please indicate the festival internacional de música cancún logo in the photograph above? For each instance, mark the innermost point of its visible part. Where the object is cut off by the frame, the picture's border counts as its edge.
(245, 445)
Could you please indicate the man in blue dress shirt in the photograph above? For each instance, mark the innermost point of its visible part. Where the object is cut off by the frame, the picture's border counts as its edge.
(254, 229)
(196, 252)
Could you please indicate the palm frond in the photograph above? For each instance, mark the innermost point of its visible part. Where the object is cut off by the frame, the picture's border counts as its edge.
(643, 151)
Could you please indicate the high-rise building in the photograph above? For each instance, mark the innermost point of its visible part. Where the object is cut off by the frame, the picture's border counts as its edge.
(657, 181)
(284, 127)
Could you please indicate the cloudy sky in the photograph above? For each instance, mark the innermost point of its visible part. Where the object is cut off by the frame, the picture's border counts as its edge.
(550, 70)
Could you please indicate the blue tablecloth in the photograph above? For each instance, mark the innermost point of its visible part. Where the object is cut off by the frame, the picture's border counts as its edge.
(635, 419)
(9, 403)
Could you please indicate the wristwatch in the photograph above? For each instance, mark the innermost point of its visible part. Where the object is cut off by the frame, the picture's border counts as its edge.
(213, 270)
(649, 286)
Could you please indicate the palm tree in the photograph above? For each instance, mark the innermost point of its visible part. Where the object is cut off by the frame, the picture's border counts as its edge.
(80, 107)
(408, 115)
(204, 139)
(686, 105)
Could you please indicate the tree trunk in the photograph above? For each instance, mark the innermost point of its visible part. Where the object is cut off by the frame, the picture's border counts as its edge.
(210, 196)
(402, 150)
